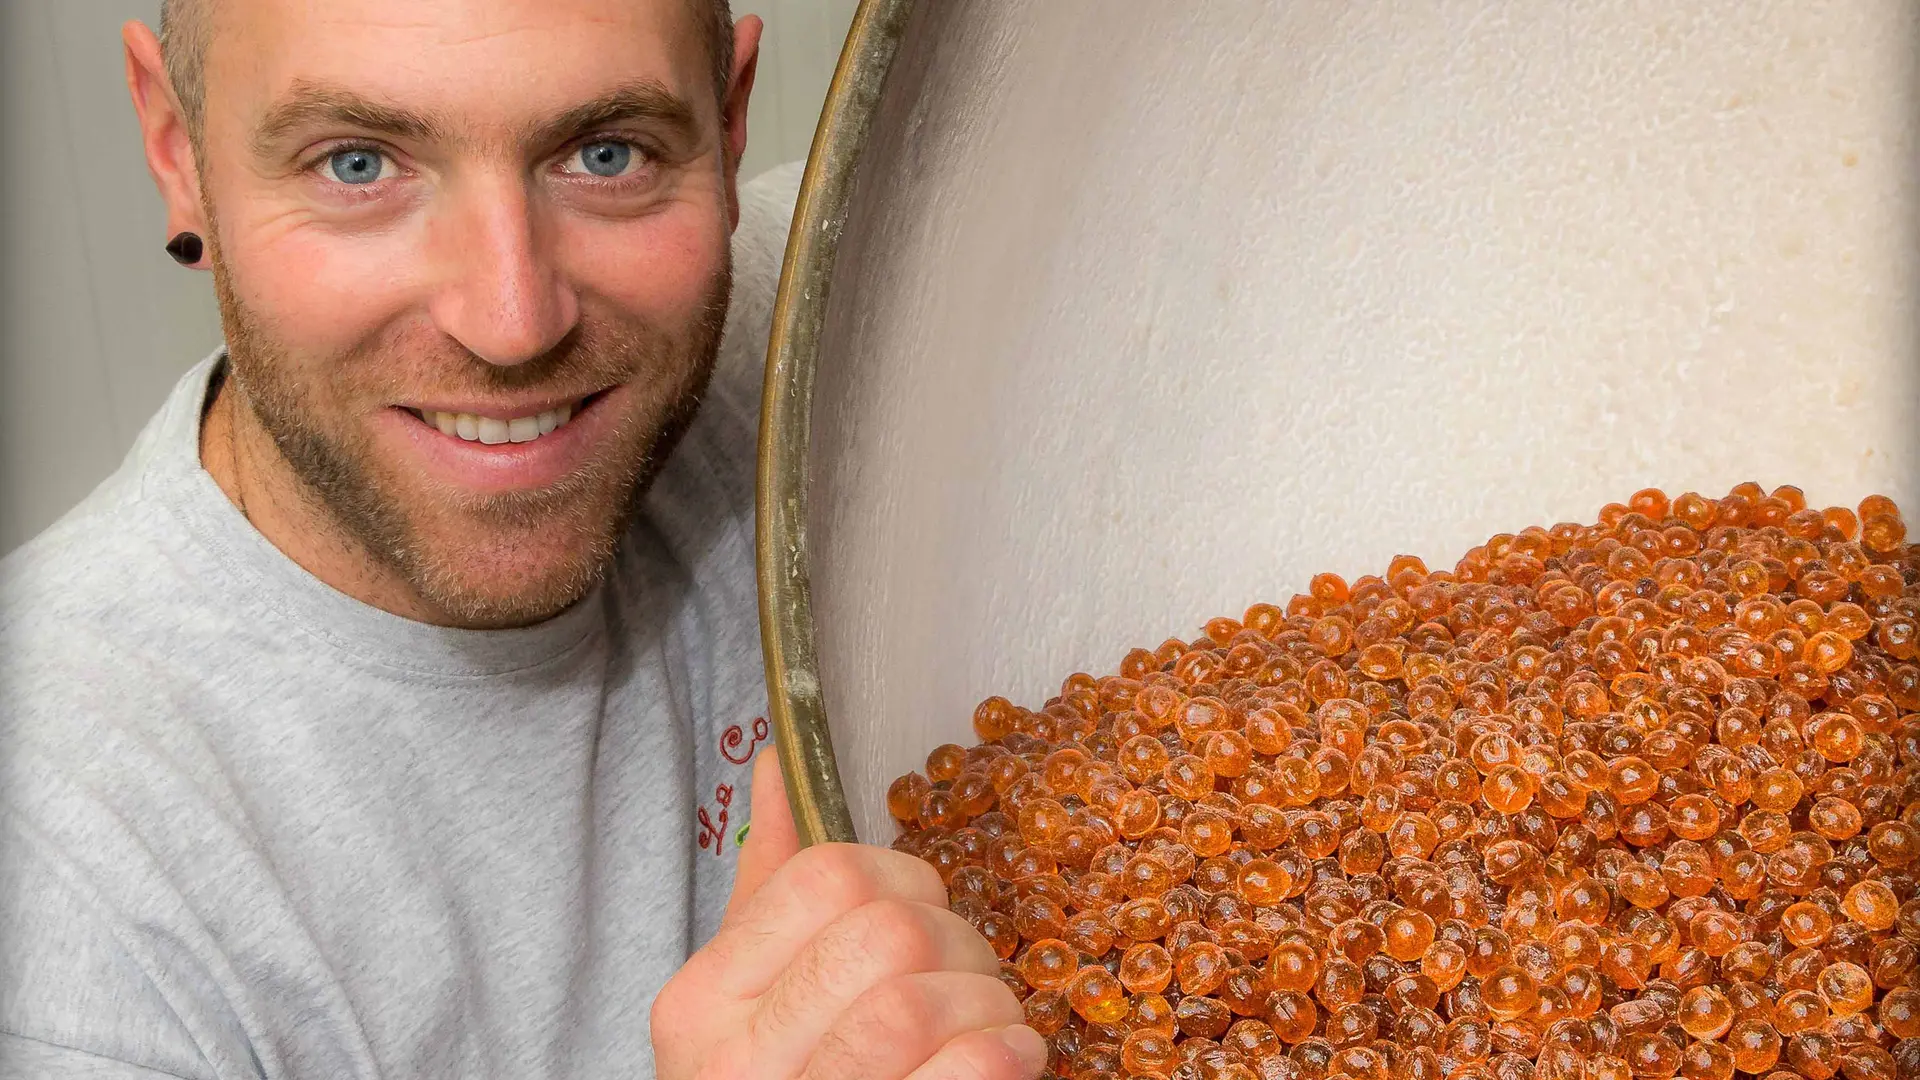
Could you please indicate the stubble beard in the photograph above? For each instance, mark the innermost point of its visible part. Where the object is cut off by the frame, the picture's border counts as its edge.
(497, 560)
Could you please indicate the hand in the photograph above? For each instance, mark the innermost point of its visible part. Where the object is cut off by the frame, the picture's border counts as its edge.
(840, 962)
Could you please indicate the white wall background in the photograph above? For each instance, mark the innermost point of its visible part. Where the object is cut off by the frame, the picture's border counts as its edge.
(96, 322)
(1136, 328)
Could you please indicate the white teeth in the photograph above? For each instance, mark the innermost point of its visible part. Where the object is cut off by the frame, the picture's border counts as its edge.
(493, 431)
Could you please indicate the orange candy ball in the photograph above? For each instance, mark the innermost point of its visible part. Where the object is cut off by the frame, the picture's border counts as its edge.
(1433, 824)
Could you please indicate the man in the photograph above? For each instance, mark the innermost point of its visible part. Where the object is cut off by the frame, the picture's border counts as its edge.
(382, 715)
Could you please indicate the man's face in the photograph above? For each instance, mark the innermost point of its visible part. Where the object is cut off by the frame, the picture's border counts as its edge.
(472, 257)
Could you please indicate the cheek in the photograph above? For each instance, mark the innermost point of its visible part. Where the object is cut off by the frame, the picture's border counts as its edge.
(654, 269)
(321, 294)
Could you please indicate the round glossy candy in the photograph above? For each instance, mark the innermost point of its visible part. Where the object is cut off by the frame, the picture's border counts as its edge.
(1046, 1011)
(1650, 1056)
(1705, 1012)
(1042, 821)
(1206, 833)
(1149, 1051)
(1631, 794)
(1137, 814)
(1797, 1011)
(903, 797)
(1146, 969)
(1146, 919)
(1899, 1012)
(1145, 876)
(1847, 989)
(1631, 780)
(1263, 882)
(1641, 885)
(1049, 964)
(1200, 968)
(1202, 1017)
(1509, 991)
(1096, 995)
(1508, 789)
(1871, 904)
(1409, 934)
(1293, 965)
(1755, 1045)
(1806, 924)
(1706, 1060)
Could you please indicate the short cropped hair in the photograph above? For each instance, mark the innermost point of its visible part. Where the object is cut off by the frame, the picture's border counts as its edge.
(186, 29)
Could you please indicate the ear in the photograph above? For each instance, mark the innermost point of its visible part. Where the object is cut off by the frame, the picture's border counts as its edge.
(733, 117)
(163, 133)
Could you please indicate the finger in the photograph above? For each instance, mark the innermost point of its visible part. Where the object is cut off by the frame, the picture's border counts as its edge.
(1011, 1053)
(802, 898)
(696, 1001)
(901, 1024)
(772, 838)
(870, 947)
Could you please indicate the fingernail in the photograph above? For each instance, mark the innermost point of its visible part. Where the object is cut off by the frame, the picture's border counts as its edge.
(1027, 1045)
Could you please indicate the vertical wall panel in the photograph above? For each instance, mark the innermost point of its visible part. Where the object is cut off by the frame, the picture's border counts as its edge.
(95, 322)
(801, 47)
(58, 434)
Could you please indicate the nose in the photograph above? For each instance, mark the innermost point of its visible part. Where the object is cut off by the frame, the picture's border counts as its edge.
(501, 293)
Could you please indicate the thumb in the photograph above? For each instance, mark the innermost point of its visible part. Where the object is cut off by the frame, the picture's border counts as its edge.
(772, 837)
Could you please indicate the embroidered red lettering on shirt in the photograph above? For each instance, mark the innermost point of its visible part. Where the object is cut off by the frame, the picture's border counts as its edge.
(710, 822)
(732, 738)
(713, 827)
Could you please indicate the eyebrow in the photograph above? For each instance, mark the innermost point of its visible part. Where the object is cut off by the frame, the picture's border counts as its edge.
(644, 101)
(311, 104)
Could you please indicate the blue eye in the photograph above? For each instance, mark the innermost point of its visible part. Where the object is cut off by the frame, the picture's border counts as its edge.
(357, 166)
(608, 159)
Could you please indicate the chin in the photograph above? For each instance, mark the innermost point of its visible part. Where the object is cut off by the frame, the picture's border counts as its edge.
(516, 579)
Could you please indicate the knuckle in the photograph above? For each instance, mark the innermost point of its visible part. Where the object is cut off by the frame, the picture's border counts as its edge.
(677, 1013)
(920, 880)
(836, 876)
(898, 1009)
(898, 934)
(774, 1013)
(668, 1009)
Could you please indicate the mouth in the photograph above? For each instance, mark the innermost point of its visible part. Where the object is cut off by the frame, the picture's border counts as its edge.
(493, 430)
(480, 447)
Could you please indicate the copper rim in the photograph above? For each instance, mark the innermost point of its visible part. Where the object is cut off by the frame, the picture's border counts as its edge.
(801, 734)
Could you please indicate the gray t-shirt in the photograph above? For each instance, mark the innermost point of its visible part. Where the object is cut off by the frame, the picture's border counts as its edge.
(252, 828)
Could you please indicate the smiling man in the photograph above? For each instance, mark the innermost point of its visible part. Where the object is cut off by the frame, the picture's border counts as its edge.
(382, 716)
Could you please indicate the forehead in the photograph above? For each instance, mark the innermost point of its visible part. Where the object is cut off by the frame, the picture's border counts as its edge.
(474, 60)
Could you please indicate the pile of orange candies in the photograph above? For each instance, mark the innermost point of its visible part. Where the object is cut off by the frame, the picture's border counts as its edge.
(1624, 801)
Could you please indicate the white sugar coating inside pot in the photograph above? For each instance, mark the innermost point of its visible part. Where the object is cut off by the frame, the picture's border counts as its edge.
(1146, 312)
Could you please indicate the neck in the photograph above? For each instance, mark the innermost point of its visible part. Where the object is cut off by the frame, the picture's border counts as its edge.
(243, 459)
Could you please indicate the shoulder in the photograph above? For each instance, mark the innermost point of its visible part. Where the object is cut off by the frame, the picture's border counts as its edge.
(114, 559)
(85, 993)
(109, 617)
(94, 650)
(85, 589)
(704, 493)
(759, 249)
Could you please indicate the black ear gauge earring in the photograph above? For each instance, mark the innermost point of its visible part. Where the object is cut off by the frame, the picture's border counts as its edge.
(185, 248)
